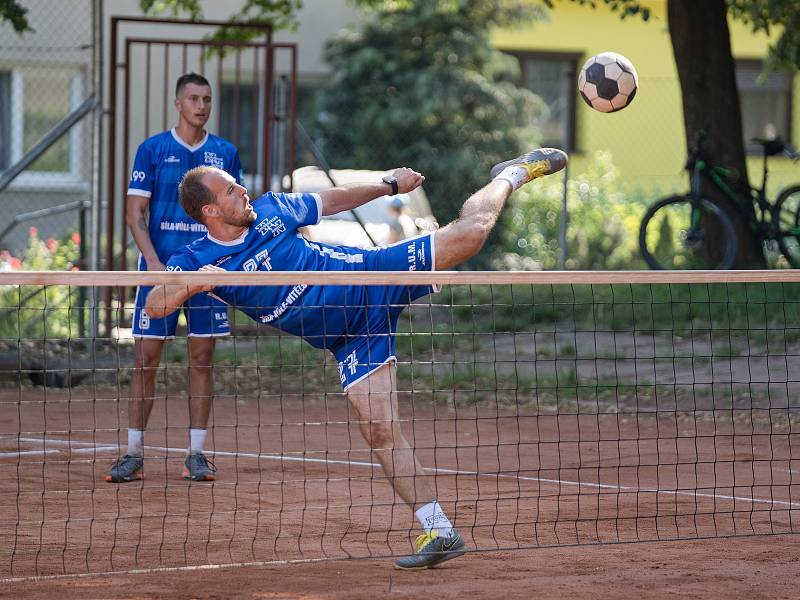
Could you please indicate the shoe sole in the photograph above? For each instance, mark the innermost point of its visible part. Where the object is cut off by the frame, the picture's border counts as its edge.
(557, 159)
(450, 555)
(137, 476)
(187, 475)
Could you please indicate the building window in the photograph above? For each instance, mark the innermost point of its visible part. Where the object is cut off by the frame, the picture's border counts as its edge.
(766, 106)
(43, 96)
(552, 78)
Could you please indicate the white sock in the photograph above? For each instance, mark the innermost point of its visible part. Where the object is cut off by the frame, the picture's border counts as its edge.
(432, 518)
(135, 442)
(197, 437)
(515, 175)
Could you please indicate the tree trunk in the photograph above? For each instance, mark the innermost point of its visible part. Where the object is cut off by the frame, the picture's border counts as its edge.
(702, 48)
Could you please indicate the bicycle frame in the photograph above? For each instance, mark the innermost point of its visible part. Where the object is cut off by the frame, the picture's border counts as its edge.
(756, 197)
(709, 236)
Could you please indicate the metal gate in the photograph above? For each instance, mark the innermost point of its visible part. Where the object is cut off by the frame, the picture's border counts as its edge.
(254, 106)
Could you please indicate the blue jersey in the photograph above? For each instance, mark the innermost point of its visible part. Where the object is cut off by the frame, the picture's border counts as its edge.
(326, 316)
(160, 164)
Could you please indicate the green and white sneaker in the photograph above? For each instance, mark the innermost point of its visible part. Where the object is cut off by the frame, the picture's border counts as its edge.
(432, 549)
(538, 163)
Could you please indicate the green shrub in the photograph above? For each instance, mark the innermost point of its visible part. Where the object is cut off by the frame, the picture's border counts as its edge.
(40, 312)
(603, 228)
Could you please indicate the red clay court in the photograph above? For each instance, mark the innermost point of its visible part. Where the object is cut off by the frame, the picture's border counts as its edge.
(301, 486)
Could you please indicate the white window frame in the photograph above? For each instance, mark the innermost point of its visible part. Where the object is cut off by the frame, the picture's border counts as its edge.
(743, 68)
(571, 59)
(70, 179)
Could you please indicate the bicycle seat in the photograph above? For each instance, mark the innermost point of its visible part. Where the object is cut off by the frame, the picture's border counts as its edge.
(771, 147)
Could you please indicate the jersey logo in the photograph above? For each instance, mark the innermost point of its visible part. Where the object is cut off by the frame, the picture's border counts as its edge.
(172, 159)
(262, 258)
(211, 158)
(290, 299)
(350, 363)
(412, 256)
(273, 225)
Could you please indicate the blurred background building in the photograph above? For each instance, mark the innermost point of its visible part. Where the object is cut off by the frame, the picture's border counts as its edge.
(62, 72)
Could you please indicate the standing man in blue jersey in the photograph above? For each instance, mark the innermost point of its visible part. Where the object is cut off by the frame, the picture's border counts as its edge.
(160, 226)
(355, 322)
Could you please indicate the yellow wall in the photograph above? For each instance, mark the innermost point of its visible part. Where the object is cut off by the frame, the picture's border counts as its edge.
(647, 138)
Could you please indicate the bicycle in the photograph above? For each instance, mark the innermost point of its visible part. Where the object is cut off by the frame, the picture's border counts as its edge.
(690, 231)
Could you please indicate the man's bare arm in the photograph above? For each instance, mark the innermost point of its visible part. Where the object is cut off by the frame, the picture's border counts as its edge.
(164, 300)
(135, 216)
(349, 196)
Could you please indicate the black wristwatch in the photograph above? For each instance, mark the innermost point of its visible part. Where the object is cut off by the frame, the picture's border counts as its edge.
(392, 181)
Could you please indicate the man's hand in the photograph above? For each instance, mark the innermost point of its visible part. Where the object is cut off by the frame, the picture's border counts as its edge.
(164, 300)
(407, 179)
(155, 265)
(207, 287)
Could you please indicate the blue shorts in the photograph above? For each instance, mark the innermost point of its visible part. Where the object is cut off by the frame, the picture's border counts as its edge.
(206, 316)
(370, 340)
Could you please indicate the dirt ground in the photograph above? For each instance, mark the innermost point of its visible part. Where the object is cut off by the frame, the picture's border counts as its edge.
(754, 568)
(296, 482)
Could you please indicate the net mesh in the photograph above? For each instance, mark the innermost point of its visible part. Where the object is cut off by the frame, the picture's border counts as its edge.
(612, 408)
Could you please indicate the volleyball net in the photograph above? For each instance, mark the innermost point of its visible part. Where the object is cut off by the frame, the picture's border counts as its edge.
(549, 408)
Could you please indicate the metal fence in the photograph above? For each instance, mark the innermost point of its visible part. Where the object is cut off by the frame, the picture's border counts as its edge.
(48, 161)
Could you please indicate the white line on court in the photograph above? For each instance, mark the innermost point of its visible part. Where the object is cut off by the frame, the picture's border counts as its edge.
(26, 453)
(279, 457)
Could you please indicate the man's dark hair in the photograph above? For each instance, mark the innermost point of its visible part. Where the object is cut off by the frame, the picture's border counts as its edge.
(194, 78)
(193, 193)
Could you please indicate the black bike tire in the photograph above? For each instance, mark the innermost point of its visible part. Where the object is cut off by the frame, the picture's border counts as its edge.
(793, 189)
(730, 240)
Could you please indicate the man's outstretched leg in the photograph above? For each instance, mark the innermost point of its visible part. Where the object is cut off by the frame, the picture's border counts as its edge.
(463, 238)
(375, 401)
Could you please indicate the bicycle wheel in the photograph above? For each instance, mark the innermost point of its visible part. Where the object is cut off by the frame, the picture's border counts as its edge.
(786, 214)
(677, 233)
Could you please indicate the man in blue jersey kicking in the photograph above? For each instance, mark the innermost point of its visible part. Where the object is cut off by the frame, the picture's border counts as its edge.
(356, 323)
(160, 226)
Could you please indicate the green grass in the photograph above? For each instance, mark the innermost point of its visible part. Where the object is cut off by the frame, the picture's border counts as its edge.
(450, 349)
(624, 306)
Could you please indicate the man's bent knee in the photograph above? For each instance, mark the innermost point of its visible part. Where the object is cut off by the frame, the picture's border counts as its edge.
(147, 353)
(201, 351)
(460, 240)
(380, 435)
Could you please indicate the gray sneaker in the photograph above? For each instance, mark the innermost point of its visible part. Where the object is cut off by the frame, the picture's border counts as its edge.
(432, 549)
(125, 469)
(198, 468)
(538, 163)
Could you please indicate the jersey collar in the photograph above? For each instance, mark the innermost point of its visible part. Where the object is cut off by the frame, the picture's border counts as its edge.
(178, 139)
(234, 242)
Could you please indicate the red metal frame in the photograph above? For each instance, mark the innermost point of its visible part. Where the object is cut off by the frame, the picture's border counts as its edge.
(269, 117)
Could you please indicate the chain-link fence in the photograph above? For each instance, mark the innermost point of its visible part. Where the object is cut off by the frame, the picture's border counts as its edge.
(46, 157)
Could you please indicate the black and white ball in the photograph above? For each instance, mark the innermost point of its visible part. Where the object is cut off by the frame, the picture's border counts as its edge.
(608, 82)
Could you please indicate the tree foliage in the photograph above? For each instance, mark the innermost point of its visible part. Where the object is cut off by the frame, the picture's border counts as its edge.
(277, 14)
(419, 84)
(16, 14)
(761, 15)
(765, 15)
(626, 8)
